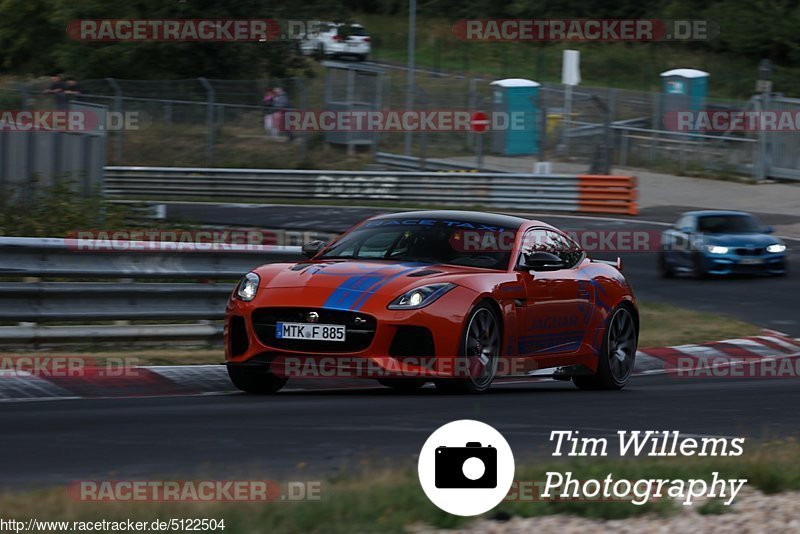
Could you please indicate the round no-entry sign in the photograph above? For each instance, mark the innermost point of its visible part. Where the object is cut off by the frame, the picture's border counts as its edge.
(479, 121)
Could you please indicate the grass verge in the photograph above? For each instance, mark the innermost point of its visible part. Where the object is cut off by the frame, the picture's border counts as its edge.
(391, 500)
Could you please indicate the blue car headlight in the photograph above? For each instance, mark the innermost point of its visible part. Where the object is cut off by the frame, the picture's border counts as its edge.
(776, 248)
(248, 287)
(716, 249)
(420, 297)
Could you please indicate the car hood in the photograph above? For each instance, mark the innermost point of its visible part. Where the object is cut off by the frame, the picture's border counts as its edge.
(349, 281)
(740, 240)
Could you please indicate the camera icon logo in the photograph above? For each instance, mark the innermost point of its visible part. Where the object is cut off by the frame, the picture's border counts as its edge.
(466, 467)
(472, 466)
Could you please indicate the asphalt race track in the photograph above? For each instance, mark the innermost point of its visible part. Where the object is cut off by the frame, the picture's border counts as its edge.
(765, 301)
(239, 435)
(314, 434)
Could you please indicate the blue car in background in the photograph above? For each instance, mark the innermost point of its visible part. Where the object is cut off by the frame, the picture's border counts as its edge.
(720, 242)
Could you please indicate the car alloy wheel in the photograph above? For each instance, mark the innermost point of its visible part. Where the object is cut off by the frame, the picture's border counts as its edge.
(621, 345)
(617, 355)
(482, 347)
(480, 353)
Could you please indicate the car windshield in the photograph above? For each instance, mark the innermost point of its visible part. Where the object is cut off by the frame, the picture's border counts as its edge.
(728, 224)
(448, 242)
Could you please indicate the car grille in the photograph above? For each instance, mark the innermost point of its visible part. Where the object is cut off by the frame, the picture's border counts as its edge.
(749, 251)
(360, 329)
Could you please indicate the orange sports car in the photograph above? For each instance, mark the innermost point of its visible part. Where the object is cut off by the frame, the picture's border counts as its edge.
(453, 297)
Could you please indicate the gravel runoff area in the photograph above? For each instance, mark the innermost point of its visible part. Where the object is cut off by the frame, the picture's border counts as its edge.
(752, 512)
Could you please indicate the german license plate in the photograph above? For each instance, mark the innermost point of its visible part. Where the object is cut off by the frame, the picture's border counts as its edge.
(315, 332)
(751, 261)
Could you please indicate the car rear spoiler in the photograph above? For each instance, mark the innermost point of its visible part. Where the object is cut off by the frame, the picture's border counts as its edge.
(617, 264)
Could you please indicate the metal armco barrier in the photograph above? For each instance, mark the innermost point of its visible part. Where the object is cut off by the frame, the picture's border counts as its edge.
(557, 192)
(209, 275)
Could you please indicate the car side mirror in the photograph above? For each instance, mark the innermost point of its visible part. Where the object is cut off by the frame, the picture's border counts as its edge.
(687, 229)
(769, 229)
(542, 261)
(312, 248)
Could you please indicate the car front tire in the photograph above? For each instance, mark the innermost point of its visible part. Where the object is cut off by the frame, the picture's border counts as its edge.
(664, 268)
(617, 354)
(480, 351)
(699, 271)
(255, 380)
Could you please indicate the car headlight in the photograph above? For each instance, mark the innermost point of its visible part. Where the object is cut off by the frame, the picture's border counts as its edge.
(248, 287)
(716, 249)
(420, 297)
(777, 247)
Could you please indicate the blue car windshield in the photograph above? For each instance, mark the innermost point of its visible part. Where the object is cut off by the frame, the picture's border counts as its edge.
(728, 224)
(436, 243)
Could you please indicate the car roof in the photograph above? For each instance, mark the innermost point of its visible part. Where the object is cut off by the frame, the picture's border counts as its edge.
(706, 213)
(480, 217)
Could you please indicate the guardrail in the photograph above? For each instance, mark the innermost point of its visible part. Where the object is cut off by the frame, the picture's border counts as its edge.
(401, 161)
(193, 283)
(557, 192)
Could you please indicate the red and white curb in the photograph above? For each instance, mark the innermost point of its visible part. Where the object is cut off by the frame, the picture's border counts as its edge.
(699, 360)
(770, 355)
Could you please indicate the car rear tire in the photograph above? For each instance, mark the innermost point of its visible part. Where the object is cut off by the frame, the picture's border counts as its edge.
(617, 354)
(254, 380)
(480, 352)
(403, 384)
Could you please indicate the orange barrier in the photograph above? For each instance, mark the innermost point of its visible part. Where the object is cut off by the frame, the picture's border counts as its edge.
(607, 194)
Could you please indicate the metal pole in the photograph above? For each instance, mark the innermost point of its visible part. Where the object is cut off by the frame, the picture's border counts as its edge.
(479, 150)
(412, 26)
(209, 120)
(567, 116)
(118, 108)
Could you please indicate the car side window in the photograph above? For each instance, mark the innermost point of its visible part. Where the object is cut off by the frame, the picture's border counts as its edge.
(541, 240)
(684, 222)
(566, 249)
(535, 240)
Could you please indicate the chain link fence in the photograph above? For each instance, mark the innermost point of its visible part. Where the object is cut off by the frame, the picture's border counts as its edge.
(207, 122)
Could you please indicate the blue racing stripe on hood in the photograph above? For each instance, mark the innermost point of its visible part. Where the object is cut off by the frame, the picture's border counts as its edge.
(354, 291)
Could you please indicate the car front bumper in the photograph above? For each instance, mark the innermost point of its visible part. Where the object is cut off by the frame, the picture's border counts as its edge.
(723, 264)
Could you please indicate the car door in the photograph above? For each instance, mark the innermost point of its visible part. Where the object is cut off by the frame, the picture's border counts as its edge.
(554, 319)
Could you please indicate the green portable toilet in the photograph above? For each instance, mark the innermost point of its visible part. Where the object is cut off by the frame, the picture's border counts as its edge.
(515, 124)
(684, 90)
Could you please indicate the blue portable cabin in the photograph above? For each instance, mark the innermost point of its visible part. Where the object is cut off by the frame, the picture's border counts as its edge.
(515, 101)
(683, 90)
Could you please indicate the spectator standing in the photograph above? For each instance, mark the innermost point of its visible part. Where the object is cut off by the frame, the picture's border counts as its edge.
(269, 110)
(281, 107)
(56, 89)
(72, 89)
